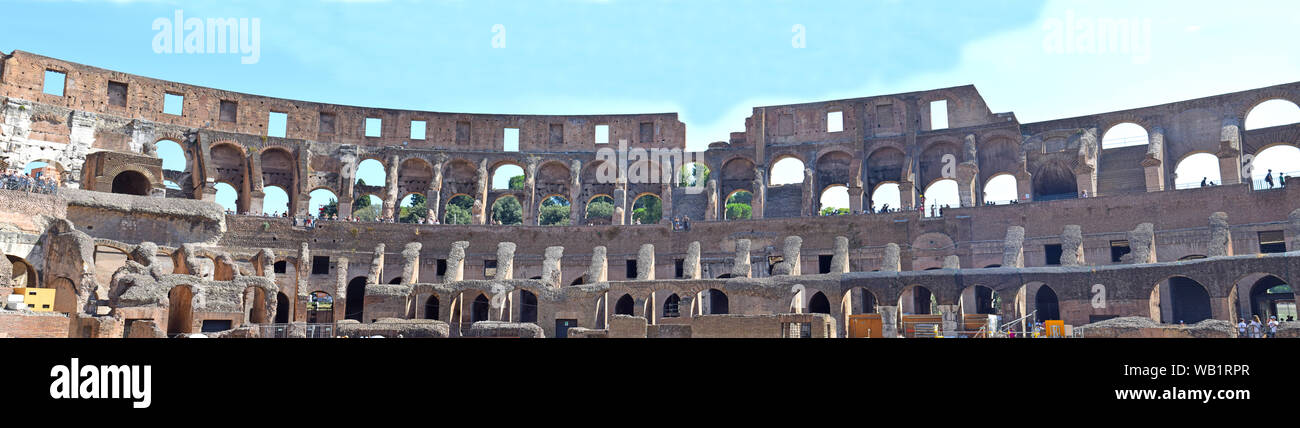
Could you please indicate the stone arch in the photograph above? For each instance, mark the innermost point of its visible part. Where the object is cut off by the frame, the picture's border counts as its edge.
(462, 201)
(560, 205)
(1265, 295)
(1270, 110)
(320, 307)
(480, 309)
(355, 303)
(597, 218)
(502, 171)
(180, 310)
(672, 307)
(979, 300)
(1125, 134)
(431, 307)
(282, 308)
(917, 299)
(256, 307)
(644, 208)
(1184, 177)
(370, 162)
(786, 164)
(132, 182)
(527, 306)
(24, 274)
(501, 214)
(885, 196)
(738, 197)
(414, 176)
(1054, 179)
(65, 295)
(1000, 189)
(714, 302)
(625, 305)
(737, 174)
(819, 304)
(1179, 298)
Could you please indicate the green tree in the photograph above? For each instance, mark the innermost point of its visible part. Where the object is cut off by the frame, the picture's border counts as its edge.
(459, 210)
(692, 174)
(647, 209)
(416, 212)
(367, 213)
(738, 211)
(741, 197)
(507, 211)
(834, 211)
(554, 212)
(601, 207)
(329, 209)
(517, 182)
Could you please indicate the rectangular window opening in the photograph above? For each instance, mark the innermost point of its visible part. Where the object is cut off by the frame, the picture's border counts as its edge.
(327, 123)
(1118, 249)
(1272, 241)
(835, 121)
(631, 269)
(602, 134)
(173, 104)
(374, 127)
(510, 142)
(55, 82)
(228, 111)
(939, 114)
(1052, 254)
(277, 124)
(117, 94)
(320, 265)
(417, 130)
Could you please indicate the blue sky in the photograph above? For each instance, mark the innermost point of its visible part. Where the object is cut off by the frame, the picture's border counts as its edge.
(710, 61)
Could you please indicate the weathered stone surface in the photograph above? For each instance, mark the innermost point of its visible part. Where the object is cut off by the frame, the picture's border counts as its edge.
(598, 271)
(341, 277)
(456, 261)
(952, 262)
(264, 263)
(1144, 327)
(411, 263)
(1072, 246)
(376, 273)
(145, 329)
(303, 269)
(504, 329)
(1013, 247)
(840, 258)
(790, 258)
(1293, 223)
(390, 328)
(551, 273)
(1220, 243)
(505, 260)
(645, 262)
(224, 268)
(891, 262)
(1142, 245)
(740, 266)
(691, 265)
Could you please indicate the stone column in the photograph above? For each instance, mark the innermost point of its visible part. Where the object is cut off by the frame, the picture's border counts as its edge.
(790, 257)
(888, 321)
(855, 195)
(479, 209)
(1220, 236)
(1072, 246)
(645, 262)
(951, 318)
(1142, 244)
(691, 266)
(577, 210)
(1013, 247)
(456, 261)
(967, 172)
(301, 269)
(711, 201)
(340, 288)
(1153, 165)
(952, 262)
(740, 266)
(254, 185)
(390, 188)
(263, 264)
(891, 262)
(433, 196)
(906, 196)
(505, 261)
(666, 198)
(531, 204)
(620, 201)
(376, 274)
(758, 202)
(598, 271)
(551, 272)
(411, 263)
(809, 194)
(840, 259)
(1230, 152)
(347, 179)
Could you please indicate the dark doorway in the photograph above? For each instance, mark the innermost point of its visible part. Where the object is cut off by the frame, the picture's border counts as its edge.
(672, 306)
(624, 305)
(1191, 303)
(528, 306)
(131, 183)
(479, 311)
(431, 308)
(818, 304)
(1270, 296)
(562, 327)
(718, 304)
(1047, 304)
(921, 300)
(180, 310)
(281, 308)
(356, 300)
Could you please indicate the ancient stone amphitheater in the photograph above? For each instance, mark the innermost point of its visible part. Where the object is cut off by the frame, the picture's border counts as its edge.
(1095, 232)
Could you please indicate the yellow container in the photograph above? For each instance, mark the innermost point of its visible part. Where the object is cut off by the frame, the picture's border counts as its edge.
(37, 299)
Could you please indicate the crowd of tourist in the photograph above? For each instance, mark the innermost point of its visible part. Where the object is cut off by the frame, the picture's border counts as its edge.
(1258, 330)
(27, 183)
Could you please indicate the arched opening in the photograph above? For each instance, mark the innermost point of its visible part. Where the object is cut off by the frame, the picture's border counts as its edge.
(918, 300)
(508, 176)
(1047, 304)
(323, 203)
(1054, 180)
(131, 183)
(1270, 296)
(624, 305)
(320, 308)
(507, 211)
(395, 280)
(672, 306)
(227, 197)
(647, 209)
(979, 300)
(787, 170)
(714, 302)
(371, 172)
(431, 308)
(528, 306)
(1197, 170)
(835, 200)
(819, 304)
(885, 197)
(1001, 189)
(600, 210)
(65, 296)
(180, 310)
(739, 205)
(355, 304)
(1275, 112)
(1124, 135)
(459, 210)
(1180, 299)
(275, 201)
(940, 195)
(554, 211)
(281, 308)
(480, 308)
(413, 209)
(1273, 166)
(173, 156)
(367, 208)
(693, 174)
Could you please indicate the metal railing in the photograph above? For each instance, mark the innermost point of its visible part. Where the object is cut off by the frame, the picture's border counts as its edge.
(312, 331)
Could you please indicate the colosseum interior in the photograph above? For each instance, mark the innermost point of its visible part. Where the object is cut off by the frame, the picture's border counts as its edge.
(1099, 242)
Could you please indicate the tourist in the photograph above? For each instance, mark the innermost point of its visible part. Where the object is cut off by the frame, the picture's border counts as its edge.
(1203, 179)
(1255, 327)
(686, 223)
(1272, 326)
(1241, 327)
(1268, 178)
